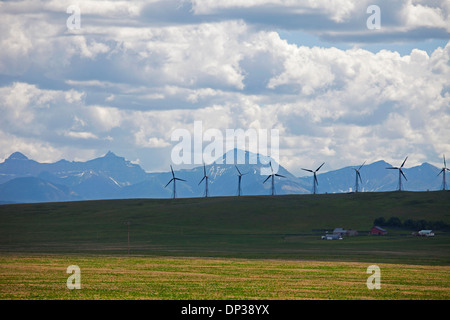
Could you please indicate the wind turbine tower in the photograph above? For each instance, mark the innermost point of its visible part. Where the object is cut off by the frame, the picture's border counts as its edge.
(315, 182)
(272, 175)
(358, 177)
(205, 177)
(174, 179)
(400, 174)
(239, 180)
(444, 184)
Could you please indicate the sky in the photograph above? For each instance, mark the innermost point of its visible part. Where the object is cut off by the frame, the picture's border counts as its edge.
(81, 78)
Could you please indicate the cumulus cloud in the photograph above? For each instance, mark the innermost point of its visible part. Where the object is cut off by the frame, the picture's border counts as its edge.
(416, 14)
(137, 71)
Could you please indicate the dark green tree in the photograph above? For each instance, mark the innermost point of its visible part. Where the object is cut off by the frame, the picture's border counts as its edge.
(394, 222)
(379, 221)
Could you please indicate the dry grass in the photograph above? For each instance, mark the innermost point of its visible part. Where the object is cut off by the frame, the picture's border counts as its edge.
(142, 277)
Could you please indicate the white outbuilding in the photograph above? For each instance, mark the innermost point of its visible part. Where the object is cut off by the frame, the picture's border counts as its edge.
(426, 233)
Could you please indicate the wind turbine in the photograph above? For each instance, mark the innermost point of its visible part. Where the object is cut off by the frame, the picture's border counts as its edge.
(206, 181)
(358, 176)
(273, 176)
(444, 185)
(239, 180)
(173, 180)
(400, 174)
(315, 182)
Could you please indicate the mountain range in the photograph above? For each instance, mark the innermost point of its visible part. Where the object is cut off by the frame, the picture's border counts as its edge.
(23, 180)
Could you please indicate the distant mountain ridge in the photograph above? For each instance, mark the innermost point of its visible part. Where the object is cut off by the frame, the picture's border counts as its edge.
(110, 165)
(24, 180)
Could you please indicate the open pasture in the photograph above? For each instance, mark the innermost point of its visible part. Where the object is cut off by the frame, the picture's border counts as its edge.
(224, 248)
(165, 278)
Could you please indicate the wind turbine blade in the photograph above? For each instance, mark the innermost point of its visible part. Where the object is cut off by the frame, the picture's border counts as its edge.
(271, 169)
(204, 170)
(445, 165)
(443, 169)
(403, 174)
(279, 175)
(362, 165)
(168, 183)
(238, 170)
(307, 170)
(359, 176)
(266, 179)
(392, 168)
(179, 179)
(320, 167)
(315, 180)
(202, 180)
(171, 169)
(403, 162)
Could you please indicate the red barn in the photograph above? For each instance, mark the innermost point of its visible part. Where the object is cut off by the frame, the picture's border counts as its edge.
(378, 231)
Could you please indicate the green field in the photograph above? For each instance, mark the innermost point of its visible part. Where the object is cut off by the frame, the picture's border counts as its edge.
(143, 277)
(224, 248)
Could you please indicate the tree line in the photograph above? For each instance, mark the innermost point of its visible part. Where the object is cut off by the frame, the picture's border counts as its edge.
(412, 224)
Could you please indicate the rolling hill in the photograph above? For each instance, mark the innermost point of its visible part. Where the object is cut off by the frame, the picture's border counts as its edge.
(285, 227)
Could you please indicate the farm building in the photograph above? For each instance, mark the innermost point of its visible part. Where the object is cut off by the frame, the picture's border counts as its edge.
(343, 232)
(339, 231)
(376, 230)
(426, 233)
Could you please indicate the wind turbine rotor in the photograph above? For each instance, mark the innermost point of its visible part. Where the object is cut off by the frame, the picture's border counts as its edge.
(174, 179)
(206, 181)
(361, 166)
(401, 171)
(169, 182)
(315, 181)
(403, 162)
(320, 167)
(359, 176)
(443, 170)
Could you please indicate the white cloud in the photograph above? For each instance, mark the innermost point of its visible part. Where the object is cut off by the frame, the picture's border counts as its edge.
(20, 102)
(90, 50)
(338, 10)
(80, 135)
(143, 141)
(103, 118)
(125, 82)
(418, 15)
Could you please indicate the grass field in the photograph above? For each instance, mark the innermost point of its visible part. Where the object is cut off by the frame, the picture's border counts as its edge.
(135, 277)
(224, 248)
